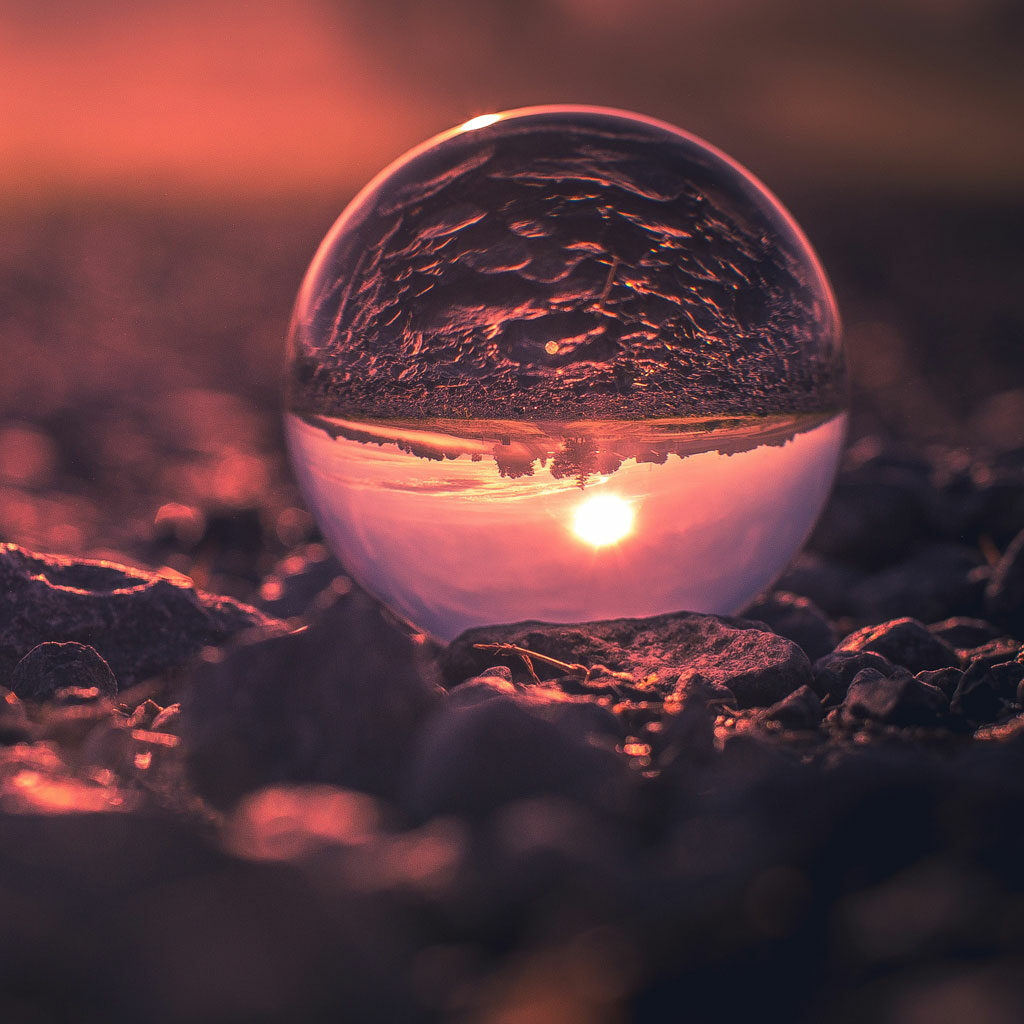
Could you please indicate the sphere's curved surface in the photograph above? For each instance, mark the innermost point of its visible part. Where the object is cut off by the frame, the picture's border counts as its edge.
(564, 364)
(570, 264)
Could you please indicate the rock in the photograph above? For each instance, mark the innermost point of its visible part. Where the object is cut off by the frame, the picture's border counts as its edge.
(167, 719)
(941, 581)
(687, 739)
(499, 671)
(52, 667)
(984, 689)
(797, 619)
(960, 631)
(472, 759)
(995, 652)
(834, 673)
(759, 667)
(337, 702)
(899, 699)
(747, 760)
(1004, 595)
(480, 689)
(141, 623)
(946, 679)
(581, 715)
(905, 642)
(692, 688)
(1008, 734)
(800, 710)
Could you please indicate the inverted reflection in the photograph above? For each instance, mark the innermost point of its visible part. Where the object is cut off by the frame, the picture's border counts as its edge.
(457, 525)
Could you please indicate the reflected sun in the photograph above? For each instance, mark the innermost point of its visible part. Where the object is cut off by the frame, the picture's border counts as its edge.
(603, 519)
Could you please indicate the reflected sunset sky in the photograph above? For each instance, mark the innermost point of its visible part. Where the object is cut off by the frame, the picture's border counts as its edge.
(453, 544)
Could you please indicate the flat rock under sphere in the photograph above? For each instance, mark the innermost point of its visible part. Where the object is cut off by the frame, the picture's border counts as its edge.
(141, 623)
(758, 666)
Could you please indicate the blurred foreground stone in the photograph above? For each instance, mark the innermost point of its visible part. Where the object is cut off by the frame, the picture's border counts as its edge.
(141, 623)
(337, 701)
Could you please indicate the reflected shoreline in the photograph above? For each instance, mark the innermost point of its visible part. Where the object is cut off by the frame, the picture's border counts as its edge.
(582, 448)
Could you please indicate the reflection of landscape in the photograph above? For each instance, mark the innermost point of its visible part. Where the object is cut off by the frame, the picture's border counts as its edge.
(565, 265)
(579, 450)
(427, 522)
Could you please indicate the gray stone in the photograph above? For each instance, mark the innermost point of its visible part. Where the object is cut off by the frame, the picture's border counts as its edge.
(946, 679)
(758, 666)
(834, 673)
(899, 699)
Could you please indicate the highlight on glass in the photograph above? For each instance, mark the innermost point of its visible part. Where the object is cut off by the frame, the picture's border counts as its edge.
(564, 363)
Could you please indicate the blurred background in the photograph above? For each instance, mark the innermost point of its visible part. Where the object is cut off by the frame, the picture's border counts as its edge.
(167, 169)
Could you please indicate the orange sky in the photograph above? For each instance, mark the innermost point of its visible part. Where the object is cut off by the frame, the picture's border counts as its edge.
(257, 98)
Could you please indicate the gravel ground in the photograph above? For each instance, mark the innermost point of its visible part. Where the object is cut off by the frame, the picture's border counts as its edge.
(210, 813)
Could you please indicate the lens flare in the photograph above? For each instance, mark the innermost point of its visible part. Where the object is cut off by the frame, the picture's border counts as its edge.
(603, 519)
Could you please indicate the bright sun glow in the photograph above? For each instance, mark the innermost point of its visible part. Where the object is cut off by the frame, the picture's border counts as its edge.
(603, 519)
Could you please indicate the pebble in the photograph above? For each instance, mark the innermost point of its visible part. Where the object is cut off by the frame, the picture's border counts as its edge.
(800, 710)
(834, 672)
(899, 699)
(77, 672)
(905, 642)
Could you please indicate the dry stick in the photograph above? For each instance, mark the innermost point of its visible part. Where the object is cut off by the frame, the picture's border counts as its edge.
(528, 656)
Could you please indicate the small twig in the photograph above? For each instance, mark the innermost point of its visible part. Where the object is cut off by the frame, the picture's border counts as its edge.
(529, 656)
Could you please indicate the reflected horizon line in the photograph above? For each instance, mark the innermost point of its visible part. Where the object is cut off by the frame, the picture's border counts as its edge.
(585, 449)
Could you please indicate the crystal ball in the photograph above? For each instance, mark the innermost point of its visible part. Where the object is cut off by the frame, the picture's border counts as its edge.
(564, 364)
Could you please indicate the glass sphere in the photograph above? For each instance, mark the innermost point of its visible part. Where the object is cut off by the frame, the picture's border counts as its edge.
(566, 364)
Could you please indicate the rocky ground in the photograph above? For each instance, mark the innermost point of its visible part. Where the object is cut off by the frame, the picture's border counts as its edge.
(232, 788)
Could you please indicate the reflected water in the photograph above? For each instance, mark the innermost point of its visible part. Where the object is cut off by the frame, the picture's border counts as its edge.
(456, 524)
